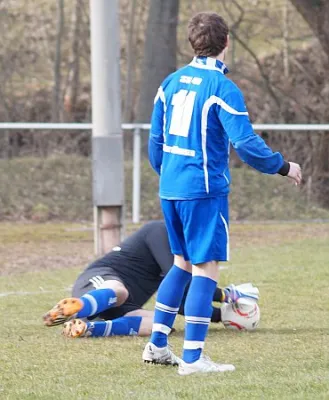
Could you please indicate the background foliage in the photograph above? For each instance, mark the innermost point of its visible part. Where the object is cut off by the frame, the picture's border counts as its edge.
(278, 56)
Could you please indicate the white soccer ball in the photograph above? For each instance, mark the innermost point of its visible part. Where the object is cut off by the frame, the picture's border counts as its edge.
(243, 315)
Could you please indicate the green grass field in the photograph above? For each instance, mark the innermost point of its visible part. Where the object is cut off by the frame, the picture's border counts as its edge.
(286, 358)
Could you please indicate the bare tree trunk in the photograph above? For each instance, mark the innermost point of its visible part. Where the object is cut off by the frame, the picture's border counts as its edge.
(71, 96)
(57, 63)
(233, 30)
(131, 57)
(159, 54)
(285, 38)
(316, 14)
(5, 144)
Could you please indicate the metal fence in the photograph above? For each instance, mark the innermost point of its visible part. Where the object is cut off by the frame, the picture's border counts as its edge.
(138, 130)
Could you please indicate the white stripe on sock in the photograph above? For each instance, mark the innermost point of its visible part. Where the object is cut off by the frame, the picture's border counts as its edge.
(161, 328)
(169, 312)
(166, 308)
(108, 328)
(198, 320)
(93, 303)
(193, 344)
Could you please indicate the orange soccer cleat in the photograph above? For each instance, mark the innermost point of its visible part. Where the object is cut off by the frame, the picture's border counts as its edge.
(74, 328)
(63, 311)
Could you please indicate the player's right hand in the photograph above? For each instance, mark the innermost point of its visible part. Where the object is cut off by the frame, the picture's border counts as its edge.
(295, 173)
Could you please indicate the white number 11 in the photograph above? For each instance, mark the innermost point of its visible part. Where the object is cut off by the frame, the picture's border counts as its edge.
(183, 103)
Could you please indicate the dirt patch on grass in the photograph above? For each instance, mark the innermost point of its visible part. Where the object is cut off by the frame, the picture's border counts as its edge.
(27, 257)
(37, 247)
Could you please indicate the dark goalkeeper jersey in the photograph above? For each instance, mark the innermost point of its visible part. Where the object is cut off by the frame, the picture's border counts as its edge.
(140, 261)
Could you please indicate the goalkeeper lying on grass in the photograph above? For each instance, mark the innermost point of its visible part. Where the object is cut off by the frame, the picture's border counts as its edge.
(108, 297)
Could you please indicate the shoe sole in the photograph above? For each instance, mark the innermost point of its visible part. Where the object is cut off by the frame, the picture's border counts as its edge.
(74, 329)
(62, 311)
(237, 297)
(154, 362)
(183, 373)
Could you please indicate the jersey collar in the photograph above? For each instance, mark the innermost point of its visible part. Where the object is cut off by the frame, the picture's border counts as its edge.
(209, 63)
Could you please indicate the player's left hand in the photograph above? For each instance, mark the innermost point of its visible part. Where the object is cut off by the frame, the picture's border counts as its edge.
(295, 173)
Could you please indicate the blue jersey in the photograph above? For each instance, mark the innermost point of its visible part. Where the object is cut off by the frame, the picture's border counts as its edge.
(197, 113)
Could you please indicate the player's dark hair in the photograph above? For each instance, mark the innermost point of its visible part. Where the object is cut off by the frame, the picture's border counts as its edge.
(207, 33)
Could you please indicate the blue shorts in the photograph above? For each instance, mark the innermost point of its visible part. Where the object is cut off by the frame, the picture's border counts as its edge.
(198, 229)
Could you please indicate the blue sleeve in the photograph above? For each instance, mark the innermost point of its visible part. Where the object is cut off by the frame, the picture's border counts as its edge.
(254, 151)
(250, 147)
(155, 147)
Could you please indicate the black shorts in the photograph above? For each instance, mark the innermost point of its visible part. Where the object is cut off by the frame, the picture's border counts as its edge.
(88, 281)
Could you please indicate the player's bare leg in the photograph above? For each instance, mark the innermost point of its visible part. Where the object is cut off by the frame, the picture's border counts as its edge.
(68, 308)
(145, 328)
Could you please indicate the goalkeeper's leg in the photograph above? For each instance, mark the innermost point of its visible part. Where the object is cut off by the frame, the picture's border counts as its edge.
(109, 293)
(135, 323)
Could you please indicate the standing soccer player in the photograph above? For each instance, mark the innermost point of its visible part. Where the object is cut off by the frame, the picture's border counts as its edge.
(197, 113)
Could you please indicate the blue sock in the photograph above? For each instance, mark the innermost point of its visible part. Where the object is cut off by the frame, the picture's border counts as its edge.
(198, 310)
(124, 326)
(169, 298)
(97, 301)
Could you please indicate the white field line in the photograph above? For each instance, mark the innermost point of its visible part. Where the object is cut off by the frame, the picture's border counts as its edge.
(41, 291)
